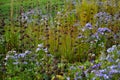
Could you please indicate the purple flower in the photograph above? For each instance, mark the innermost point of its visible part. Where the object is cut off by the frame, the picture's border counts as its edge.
(106, 76)
(102, 71)
(113, 67)
(109, 50)
(113, 71)
(109, 58)
(88, 25)
(95, 35)
(103, 30)
(118, 52)
(96, 66)
(72, 67)
(22, 55)
(80, 36)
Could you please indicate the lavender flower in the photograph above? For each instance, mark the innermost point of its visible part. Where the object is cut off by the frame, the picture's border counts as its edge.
(96, 66)
(95, 35)
(68, 78)
(106, 76)
(88, 25)
(118, 52)
(103, 17)
(80, 36)
(109, 58)
(72, 67)
(22, 55)
(109, 50)
(102, 71)
(114, 71)
(103, 30)
(112, 67)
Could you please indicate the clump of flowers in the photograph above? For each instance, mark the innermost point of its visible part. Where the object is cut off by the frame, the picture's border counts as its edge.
(103, 30)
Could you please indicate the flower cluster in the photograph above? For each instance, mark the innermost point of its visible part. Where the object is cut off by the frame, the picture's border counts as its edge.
(109, 50)
(103, 17)
(103, 30)
(18, 58)
(41, 47)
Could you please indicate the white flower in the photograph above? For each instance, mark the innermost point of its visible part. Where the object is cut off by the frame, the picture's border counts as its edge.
(83, 29)
(109, 50)
(38, 49)
(40, 45)
(15, 63)
(27, 52)
(58, 13)
(11, 52)
(7, 56)
(46, 50)
(68, 78)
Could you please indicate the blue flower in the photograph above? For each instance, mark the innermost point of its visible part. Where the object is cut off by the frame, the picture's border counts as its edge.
(109, 50)
(103, 30)
(118, 52)
(96, 66)
(88, 25)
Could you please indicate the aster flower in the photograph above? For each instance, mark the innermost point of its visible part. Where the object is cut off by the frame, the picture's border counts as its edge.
(113, 67)
(118, 52)
(103, 18)
(95, 35)
(7, 56)
(106, 76)
(22, 55)
(68, 78)
(103, 71)
(114, 71)
(45, 50)
(96, 66)
(109, 58)
(103, 30)
(27, 52)
(109, 50)
(40, 45)
(88, 25)
(80, 36)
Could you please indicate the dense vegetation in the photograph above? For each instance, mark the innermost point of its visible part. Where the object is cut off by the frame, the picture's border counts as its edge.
(60, 40)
